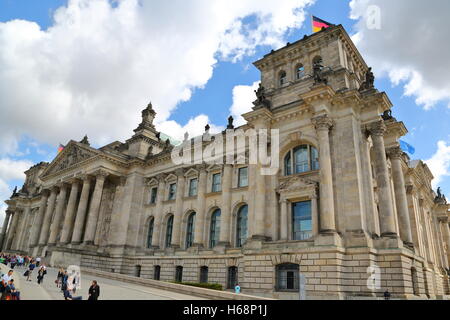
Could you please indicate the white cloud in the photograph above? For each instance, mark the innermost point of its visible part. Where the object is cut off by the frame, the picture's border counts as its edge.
(439, 163)
(411, 49)
(243, 97)
(97, 66)
(10, 170)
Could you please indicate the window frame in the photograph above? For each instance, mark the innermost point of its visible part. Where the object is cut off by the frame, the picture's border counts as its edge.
(190, 230)
(240, 240)
(240, 185)
(153, 195)
(204, 271)
(285, 268)
(150, 229)
(232, 270)
(308, 233)
(193, 190)
(172, 194)
(282, 78)
(157, 272)
(300, 70)
(216, 187)
(168, 236)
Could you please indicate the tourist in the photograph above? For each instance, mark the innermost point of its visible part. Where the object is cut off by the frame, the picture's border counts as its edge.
(94, 291)
(387, 295)
(38, 261)
(31, 267)
(5, 289)
(59, 277)
(237, 288)
(41, 274)
(15, 295)
(13, 262)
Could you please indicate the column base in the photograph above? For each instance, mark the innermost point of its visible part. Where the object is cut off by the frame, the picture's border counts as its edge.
(329, 238)
(357, 238)
(88, 243)
(388, 243)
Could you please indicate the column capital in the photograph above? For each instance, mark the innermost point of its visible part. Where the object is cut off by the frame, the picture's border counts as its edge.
(62, 185)
(322, 122)
(180, 172)
(84, 177)
(201, 167)
(101, 174)
(395, 153)
(377, 128)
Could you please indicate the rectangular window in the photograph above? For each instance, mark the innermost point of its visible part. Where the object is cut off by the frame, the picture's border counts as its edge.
(216, 182)
(153, 194)
(243, 177)
(193, 187)
(301, 220)
(172, 191)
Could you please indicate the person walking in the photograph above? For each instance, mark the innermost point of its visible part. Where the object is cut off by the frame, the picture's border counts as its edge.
(13, 262)
(41, 274)
(31, 267)
(94, 291)
(59, 278)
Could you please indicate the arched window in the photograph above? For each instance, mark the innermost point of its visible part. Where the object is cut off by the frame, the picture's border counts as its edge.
(156, 272)
(150, 232)
(241, 226)
(169, 231)
(287, 277)
(301, 159)
(190, 230)
(300, 72)
(204, 274)
(282, 78)
(214, 230)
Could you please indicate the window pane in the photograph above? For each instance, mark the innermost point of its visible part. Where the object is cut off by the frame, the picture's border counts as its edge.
(190, 230)
(300, 72)
(301, 220)
(243, 177)
(169, 231)
(287, 276)
(241, 226)
(153, 195)
(314, 159)
(193, 187)
(217, 182)
(172, 191)
(215, 228)
(287, 164)
(301, 161)
(150, 233)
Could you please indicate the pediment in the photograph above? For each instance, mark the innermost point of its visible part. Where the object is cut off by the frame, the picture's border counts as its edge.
(296, 183)
(72, 154)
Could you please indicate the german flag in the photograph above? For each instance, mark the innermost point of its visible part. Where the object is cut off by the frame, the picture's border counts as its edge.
(60, 148)
(318, 24)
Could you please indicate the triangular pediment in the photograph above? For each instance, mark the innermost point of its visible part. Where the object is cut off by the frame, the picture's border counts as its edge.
(296, 183)
(72, 154)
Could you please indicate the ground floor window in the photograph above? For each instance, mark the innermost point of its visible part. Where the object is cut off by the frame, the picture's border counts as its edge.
(204, 274)
(156, 272)
(179, 274)
(287, 277)
(137, 270)
(232, 277)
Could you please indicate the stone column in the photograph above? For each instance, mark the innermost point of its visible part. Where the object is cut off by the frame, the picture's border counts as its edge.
(36, 228)
(11, 231)
(70, 213)
(315, 215)
(94, 210)
(60, 203)
(396, 154)
(82, 209)
(387, 222)
(327, 219)
(446, 229)
(200, 219)
(19, 230)
(23, 228)
(284, 220)
(176, 233)
(4, 229)
(48, 217)
(225, 219)
(158, 211)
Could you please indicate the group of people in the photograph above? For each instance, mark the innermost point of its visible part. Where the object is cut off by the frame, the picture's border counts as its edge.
(67, 281)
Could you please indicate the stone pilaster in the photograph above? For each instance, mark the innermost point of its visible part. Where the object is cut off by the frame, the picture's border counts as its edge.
(36, 228)
(284, 219)
(225, 219)
(178, 209)
(327, 216)
(48, 217)
(387, 222)
(158, 212)
(315, 215)
(70, 213)
(60, 203)
(260, 203)
(82, 209)
(91, 225)
(23, 228)
(5, 229)
(200, 218)
(19, 230)
(396, 154)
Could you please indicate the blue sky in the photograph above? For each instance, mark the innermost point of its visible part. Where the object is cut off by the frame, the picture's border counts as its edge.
(213, 95)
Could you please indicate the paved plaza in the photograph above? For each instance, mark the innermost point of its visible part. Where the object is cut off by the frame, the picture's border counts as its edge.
(109, 289)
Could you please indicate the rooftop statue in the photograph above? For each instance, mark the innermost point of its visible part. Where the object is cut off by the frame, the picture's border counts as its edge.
(318, 74)
(369, 81)
(261, 99)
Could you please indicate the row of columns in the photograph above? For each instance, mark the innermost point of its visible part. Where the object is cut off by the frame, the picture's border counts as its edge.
(71, 221)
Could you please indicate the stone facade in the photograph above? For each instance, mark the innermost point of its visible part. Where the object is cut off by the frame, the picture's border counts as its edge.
(127, 208)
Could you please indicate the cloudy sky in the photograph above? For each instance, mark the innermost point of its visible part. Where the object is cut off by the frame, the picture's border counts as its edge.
(70, 68)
